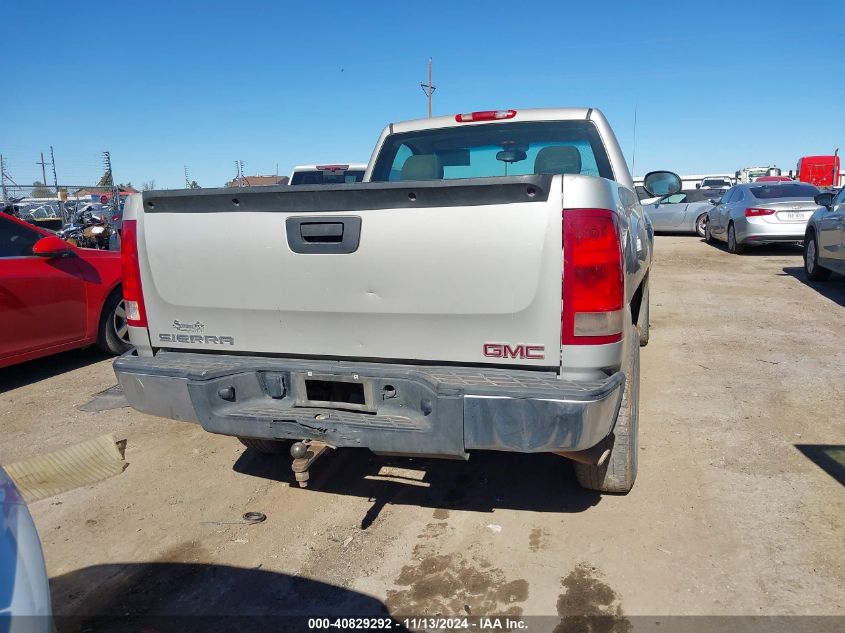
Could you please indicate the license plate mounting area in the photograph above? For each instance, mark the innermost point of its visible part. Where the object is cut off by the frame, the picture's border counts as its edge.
(350, 392)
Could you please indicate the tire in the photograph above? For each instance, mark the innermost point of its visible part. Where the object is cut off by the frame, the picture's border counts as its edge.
(619, 472)
(113, 333)
(812, 269)
(708, 235)
(267, 447)
(733, 246)
(701, 225)
(643, 325)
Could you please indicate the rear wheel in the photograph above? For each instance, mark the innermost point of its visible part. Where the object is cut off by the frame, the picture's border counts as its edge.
(811, 259)
(267, 447)
(733, 246)
(619, 472)
(113, 336)
(701, 225)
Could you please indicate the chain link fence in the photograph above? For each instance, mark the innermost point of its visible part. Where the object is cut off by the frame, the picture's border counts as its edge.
(48, 209)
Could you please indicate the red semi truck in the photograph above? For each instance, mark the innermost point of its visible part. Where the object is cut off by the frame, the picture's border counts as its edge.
(822, 171)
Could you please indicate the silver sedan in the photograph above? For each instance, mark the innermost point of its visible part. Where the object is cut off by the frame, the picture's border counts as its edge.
(761, 213)
(24, 589)
(682, 212)
(824, 244)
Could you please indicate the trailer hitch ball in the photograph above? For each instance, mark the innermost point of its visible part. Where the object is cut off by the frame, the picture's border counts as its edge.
(304, 455)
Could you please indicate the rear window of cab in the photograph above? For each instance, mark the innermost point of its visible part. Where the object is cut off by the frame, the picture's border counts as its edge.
(491, 150)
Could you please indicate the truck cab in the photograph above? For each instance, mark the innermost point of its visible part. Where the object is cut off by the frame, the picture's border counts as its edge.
(329, 174)
(822, 171)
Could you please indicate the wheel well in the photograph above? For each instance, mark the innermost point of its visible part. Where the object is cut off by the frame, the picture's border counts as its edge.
(117, 289)
(637, 300)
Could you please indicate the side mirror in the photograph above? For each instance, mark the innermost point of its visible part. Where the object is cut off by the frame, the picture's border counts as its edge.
(698, 185)
(713, 201)
(824, 199)
(661, 183)
(51, 246)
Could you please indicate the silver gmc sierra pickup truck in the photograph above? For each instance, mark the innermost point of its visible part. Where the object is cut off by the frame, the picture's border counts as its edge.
(484, 288)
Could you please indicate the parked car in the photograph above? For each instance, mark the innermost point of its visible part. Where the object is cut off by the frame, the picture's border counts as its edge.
(682, 212)
(714, 183)
(761, 213)
(485, 288)
(56, 297)
(24, 588)
(751, 174)
(824, 241)
(327, 174)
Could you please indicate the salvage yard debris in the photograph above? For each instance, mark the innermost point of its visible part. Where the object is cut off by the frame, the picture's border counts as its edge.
(68, 468)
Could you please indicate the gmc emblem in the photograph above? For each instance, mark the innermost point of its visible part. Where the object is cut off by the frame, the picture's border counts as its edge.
(506, 350)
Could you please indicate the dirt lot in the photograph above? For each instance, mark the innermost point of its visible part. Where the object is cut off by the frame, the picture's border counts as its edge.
(732, 512)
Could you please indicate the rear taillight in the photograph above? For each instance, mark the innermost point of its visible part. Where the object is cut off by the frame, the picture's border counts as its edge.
(133, 296)
(753, 213)
(115, 218)
(485, 115)
(593, 280)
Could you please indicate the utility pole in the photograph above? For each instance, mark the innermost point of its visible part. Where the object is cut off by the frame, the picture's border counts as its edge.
(187, 182)
(239, 173)
(107, 165)
(53, 163)
(43, 170)
(115, 193)
(634, 153)
(3, 177)
(428, 88)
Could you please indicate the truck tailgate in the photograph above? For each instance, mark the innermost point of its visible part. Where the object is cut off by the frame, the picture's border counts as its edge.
(433, 271)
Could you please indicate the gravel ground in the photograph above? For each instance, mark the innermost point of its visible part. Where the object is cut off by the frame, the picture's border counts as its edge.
(732, 513)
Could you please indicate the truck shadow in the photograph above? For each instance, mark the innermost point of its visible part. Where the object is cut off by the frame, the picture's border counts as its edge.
(188, 596)
(43, 368)
(490, 480)
(833, 289)
(829, 457)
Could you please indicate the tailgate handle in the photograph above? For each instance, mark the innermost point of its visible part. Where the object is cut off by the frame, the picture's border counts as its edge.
(337, 235)
(321, 232)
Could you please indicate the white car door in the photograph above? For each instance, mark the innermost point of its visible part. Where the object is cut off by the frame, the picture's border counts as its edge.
(668, 212)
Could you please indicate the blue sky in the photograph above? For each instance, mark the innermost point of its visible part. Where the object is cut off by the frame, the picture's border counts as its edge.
(718, 86)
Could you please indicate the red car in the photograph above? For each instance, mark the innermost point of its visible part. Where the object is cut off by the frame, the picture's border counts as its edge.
(56, 297)
(773, 179)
